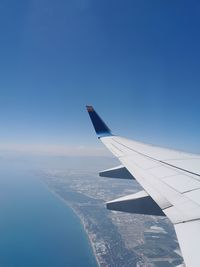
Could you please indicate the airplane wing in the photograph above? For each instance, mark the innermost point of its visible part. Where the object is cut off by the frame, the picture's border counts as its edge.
(171, 183)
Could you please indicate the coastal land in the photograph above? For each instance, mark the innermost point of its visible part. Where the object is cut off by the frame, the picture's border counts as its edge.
(117, 239)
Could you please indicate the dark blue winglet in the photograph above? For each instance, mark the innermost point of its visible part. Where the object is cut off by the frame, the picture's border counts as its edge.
(99, 125)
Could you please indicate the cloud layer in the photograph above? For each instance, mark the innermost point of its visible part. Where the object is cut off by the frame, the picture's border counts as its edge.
(52, 150)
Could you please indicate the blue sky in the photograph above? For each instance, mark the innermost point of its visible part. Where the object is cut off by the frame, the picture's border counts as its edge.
(137, 62)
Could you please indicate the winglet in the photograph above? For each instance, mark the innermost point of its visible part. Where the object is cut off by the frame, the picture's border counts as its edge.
(99, 125)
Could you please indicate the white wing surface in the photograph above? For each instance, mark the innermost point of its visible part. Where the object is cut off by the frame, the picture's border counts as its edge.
(171, 180)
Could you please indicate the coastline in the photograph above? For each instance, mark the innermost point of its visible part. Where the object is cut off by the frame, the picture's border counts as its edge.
(86, 231)
(90, 241)
(111, 237)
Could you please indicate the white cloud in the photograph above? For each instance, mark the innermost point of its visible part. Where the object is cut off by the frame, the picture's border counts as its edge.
(52, 150)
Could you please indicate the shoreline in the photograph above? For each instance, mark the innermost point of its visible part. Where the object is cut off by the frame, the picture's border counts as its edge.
(87, 233)
(80, 219)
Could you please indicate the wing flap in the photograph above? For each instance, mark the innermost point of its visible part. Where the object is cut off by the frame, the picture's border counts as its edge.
(188, 237)
(182, 183)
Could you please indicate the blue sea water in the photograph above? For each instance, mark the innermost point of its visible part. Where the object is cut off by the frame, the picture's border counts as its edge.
(36, 228)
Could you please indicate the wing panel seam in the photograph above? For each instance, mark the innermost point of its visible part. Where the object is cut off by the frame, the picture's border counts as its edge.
(161, 161)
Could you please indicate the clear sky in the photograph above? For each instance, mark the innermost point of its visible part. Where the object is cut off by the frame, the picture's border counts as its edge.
(137, 62)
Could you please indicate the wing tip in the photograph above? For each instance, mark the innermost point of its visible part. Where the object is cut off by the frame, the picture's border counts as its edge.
(99, 125)
(89, 108)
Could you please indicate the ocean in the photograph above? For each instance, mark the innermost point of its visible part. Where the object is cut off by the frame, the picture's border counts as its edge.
(37, 229)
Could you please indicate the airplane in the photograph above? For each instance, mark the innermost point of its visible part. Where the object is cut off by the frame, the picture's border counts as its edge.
(171, 183)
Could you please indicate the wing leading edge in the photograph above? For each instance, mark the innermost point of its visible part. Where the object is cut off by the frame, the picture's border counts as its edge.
(171, 180)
